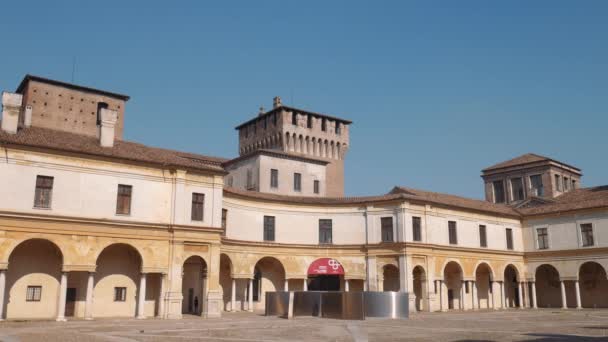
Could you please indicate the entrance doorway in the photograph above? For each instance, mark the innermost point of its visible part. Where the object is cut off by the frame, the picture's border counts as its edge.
(325, 274)
(324, 283)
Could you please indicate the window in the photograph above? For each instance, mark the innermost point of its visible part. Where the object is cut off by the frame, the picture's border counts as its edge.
(558, 183)
(338, 128)
(417, 229)
(509, 233)
(536, 183)
(587, 234)
(566, 183)
(317, 186)
(573, 184)
(274, 178)
(44, 191)
(387, 229)
(33, 294)
(224, 220)
(517, 188)
(294, 118)
(268, 228)
(325, 231)
(120, 294)
(123, 201)
(452, 232)
(297, 182)
(198, 205)
(250, 185)
(309, 121)
(324, 124)
(499, 192)
(542, 238)
(483, 238)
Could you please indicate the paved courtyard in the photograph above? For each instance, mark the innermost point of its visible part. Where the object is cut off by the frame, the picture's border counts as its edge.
(524, 325)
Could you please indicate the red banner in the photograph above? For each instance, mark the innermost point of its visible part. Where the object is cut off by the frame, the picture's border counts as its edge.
(325, 266)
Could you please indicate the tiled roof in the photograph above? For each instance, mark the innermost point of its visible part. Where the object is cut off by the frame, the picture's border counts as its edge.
(292, 109)
(123, 150)
(524, 159)
(579, 199)
(276, 153)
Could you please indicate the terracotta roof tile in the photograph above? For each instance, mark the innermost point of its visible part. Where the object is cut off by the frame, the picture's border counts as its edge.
(579, 199)
(524, 159)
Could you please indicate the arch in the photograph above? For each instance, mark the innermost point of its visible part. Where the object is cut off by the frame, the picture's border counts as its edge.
(287, 141)
(420, 288)
(307, 140)
(511, 281)
(453, 275)
(268, 274)
(548, 286)
(339, 150)
(390, 278)
(593, 285)
(301, 142)
(332, 153)
(484, 277)
(33, 262)
(194, 285)
(226, 276)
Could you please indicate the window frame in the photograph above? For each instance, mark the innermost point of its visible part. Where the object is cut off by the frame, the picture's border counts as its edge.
(120, 293)
(386, 231)
(509, 239)
(196, 201)
(322, 228)
(580, 229)
(274, 178)
(39, 189)
(416, 228)
(558, 183)
(502, 191)
(542, 186)
(453, 228)
(269, 228)
(483, 242)
(297, 182)
(513, 191)
(120, 195)
(31, 295)
(224, 222)
(547, 242)
(316, 186)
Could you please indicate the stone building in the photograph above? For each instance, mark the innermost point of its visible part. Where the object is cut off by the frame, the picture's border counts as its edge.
(92, 225)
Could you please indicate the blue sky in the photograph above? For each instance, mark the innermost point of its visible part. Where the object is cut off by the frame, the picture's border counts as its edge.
(436, 90)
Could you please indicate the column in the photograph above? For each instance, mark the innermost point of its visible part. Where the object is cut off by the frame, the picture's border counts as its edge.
(63, 288)
(502, 295)
(141, 298)
(233, 296)
(161, 296)
(443, 298)
(563, 288)
(346, 287)
(474, 292)
(463, 294)
(305, 285)
(286, 287)
(250, 299)
(578, 295)
(2, 289)
(491, 294)
(88, 305)
(534, 304)
(520, 295)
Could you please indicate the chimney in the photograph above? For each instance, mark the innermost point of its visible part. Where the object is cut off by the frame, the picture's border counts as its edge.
(276, 102)
(261, 112)
(108, 118)
(11, 106)
(27, 117)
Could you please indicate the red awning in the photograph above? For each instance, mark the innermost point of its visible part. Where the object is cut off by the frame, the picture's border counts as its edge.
(325, 266)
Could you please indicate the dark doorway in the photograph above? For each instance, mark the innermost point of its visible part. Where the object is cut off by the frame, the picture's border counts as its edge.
(70, 302)
(324, 283)
(450, 299)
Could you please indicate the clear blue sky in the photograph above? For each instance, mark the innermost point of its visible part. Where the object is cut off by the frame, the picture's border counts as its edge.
(436, 90)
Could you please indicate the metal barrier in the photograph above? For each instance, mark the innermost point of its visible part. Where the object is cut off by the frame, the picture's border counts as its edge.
(338, 305)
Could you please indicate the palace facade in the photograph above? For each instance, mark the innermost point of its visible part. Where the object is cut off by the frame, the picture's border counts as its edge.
(92, 225)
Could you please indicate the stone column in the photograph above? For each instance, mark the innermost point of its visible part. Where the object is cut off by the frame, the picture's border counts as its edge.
(534, 303)
(491, 294)
(233, 296)
(63, 288)
(520, 295)
(161, 296)
(286, 287)
(403, 274)
(88, 306)
(463, 294)
(141, 297)
(503, 298)
(305, 285)
(346, 287)
(250, 299)
(443, 296)
(2, 289)
(474, 292)
(578, 295)
(563, 288)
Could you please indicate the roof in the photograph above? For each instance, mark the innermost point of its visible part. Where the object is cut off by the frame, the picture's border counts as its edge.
(528, 158)
(29, 77)
(579, 199)
(292, 109)
(49, 139)
(454, 201)
(255, 195)
(276, 153)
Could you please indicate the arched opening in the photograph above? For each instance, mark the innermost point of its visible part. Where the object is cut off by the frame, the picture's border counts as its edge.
(452, 275)
(548, 287)
(593, 285)
(194, 285)
(32, 280)
(227, 286)
(511, 287)
(390, 278)
(420, 288)
(325, 274)
(483, 284)
(268, 275)
(116, 289)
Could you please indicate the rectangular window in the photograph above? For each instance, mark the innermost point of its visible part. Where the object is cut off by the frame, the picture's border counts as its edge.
(274, 178)
(33, 294)
(44, 191)
(294, 118)
(324, 124)
(587, 234)
(338, 128)
(499, 192)
(509, 233)
(268, 228)
(224, 220)
(452, 232)
(317, 186)
(517, 188)
(417, 229)
(198, 206)
(573, 184)
(297, 182)
(483, 237)
(387, 229)
(558, 183)
(566, 183)
(325, 231)
(542, 238)
(123, 200)
(120, 294)
(536, 183)
(309, 121)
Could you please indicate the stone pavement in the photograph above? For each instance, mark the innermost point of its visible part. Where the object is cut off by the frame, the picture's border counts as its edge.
(510, 325)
